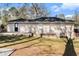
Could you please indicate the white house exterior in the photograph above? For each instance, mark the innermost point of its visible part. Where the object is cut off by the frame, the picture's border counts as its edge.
(43, 25)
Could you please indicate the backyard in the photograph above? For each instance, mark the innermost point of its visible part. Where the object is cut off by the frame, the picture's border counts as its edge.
(32, 46)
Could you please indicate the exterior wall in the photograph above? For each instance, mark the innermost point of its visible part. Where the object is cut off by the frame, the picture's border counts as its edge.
(10, 28)
(37, 29)
(21, 28)
(70, 31)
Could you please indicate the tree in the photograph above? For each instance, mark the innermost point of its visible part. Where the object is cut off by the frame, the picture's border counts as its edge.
(76, 16)
(24, 11)
(0, 18)
(14, 13)
(2, 28)
(4, 17)
(39, 10)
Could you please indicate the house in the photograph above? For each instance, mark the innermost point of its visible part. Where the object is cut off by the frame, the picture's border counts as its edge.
(44, 25)
(76, 29)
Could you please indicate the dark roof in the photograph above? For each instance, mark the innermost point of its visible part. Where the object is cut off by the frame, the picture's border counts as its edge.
(49, 19)
(41, 19)
(21, 19)
(52, 19)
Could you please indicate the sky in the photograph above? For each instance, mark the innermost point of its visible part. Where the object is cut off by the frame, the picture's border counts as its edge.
(63, 8)
(54, 8)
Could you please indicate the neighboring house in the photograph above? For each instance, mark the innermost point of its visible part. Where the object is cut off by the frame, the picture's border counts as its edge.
(76, 30)
(44, 25)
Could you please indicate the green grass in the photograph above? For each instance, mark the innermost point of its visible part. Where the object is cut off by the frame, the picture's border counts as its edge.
(16, 40)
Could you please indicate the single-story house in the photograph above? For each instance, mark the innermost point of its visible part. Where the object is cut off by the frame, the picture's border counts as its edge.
(43, 25)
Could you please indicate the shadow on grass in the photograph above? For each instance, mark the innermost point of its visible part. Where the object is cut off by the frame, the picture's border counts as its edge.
(19, 42)
(69, 49)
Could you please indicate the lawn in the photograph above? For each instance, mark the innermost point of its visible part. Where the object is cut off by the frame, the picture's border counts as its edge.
(38, 46)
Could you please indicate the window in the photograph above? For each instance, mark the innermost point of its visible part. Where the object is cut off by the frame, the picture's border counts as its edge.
(16, 27)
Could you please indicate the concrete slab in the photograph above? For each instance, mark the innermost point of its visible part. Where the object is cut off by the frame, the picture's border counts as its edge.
(5, 51)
